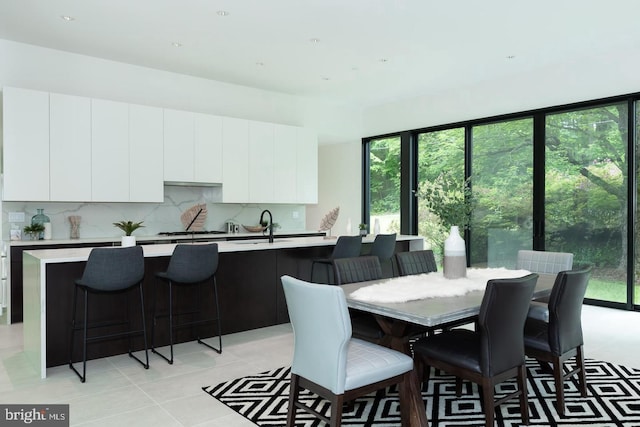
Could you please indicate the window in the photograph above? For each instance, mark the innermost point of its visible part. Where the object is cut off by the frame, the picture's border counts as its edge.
(384, 184)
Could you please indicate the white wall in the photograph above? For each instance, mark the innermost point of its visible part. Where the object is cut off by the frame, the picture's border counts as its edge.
(340, 183)
(586, 79)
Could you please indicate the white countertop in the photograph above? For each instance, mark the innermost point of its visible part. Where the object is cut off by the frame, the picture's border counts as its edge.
(82, 254)
(153, 238)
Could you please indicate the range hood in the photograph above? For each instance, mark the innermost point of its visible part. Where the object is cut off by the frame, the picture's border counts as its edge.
(192, 184)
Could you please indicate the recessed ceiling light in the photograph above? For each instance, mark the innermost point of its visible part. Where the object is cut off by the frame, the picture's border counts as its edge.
(314, 40)
(326, 78)
(222, 13)
(176, 44)
(511, 56)
(68, 18)
(384, 60)
(260, 64)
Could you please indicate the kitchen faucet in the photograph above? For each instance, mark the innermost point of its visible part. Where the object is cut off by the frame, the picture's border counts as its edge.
(270, 223)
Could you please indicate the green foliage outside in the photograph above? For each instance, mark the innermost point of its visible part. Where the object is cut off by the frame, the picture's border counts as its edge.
(585, 186)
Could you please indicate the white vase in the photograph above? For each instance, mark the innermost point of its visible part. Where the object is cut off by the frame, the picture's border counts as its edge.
(455, 255)
(128, 241)
(376, 227)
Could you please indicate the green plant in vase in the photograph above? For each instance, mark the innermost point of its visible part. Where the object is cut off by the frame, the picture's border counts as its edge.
(128, 226)
(34, 230)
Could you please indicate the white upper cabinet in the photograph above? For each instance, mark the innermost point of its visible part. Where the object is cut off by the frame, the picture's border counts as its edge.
(285, 171)
(178, 146)
(70, 148)
(261, 162)
(25, 145)
(145, 154)
(235, 160)
(109, 151)
(192, 147)
(207, 148)
(307, 166)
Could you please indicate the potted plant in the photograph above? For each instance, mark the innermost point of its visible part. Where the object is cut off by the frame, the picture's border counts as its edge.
(363, 229)
(128, 227)
(34, 230)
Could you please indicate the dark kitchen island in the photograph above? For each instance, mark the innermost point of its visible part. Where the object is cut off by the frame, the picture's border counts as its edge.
(248, 285)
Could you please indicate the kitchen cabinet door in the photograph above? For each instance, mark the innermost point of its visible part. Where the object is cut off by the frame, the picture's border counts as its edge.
(235, 163)
(207, 148)
(178, 146)
(261, 162)
(25, 145)
(109, 151)
(307, 166)
(285, 158)
(146, 176)
(70, 144)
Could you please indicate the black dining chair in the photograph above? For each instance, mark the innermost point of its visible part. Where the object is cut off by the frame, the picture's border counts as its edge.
(416, 262)
(108, 271)
(360, 269)
(193, 266)
(345, 247)
(492, 354)
(559, 337)
(384, 246)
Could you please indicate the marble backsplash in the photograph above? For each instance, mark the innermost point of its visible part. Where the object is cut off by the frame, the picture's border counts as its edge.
(98, 218)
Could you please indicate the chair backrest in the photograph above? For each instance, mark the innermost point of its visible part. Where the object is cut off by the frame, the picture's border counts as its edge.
(544, 262)
(501, 323)
(193, 263)
(347, 247)
(357, 269)
(113, 269)
(416, 262)
(565, 310)
(383, 246)
(321, 330)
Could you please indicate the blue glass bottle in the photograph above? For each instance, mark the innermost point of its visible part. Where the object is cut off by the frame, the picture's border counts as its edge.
(40, 218)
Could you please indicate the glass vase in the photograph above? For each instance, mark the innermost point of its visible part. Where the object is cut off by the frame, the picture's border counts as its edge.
(42, 219)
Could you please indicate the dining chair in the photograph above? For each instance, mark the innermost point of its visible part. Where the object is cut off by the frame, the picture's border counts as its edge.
(360, 269)
(108, 271)
(190, 266)
(416, 262)
(327, 360)
(492, 354)
(559, 338)
(345, 247)
(544, 261)
(384, 246)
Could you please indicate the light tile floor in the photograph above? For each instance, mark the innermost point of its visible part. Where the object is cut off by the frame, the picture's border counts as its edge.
(120, 392)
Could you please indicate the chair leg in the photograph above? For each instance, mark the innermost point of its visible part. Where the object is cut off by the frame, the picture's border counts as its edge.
(294, 390)
(144, 334)
(73, 330)
(217, 320)
(336, 410)
(153, 349)
(582, 376)
(524, 399)
(558, 374)
(488, 401)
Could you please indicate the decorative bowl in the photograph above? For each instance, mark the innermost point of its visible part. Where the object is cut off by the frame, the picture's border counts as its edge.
(254, 228)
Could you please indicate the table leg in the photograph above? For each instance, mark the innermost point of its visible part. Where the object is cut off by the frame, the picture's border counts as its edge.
(396, 337)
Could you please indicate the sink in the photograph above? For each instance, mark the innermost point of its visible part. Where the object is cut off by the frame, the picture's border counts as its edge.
(256, 241)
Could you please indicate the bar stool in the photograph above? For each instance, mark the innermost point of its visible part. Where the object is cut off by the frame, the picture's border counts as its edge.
(384, 246)
(108, 271)
(346, 247)
(190, 265)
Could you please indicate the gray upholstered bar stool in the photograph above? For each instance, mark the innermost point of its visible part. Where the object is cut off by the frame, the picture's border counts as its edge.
(384, 246)
(108, 271)
(191, 265)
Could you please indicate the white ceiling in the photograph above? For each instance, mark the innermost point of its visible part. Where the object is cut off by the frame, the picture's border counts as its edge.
(368, 51)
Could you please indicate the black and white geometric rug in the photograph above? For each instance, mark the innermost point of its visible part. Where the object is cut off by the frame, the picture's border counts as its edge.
(613, 400)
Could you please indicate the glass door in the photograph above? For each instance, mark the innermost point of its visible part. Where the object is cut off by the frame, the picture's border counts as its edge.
(586, 194)
(384, 185)
(502, 188)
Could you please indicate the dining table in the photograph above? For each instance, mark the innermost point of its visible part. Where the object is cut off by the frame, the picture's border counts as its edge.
(399, 319)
